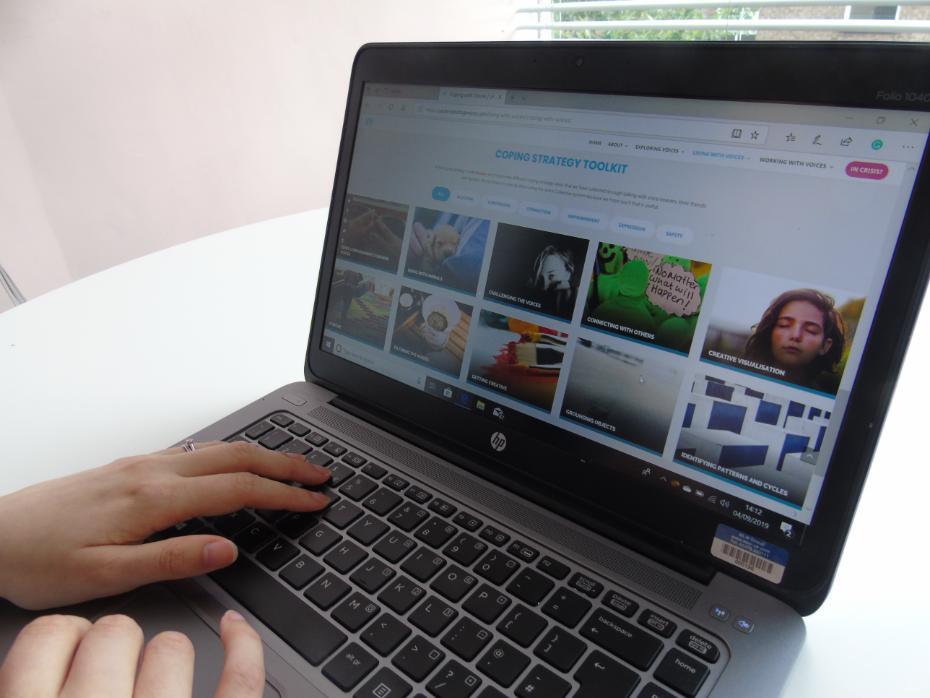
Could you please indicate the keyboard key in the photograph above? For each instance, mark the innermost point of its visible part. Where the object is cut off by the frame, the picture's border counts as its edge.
(383, 684)
(385, 634)
(355, 611)
(275, 439)
(466, 638)
(272, 515)
(530, 586)
(310, 634)
(560, 649)
(301, 572)
(599, 675)
(490, 692)
(651, 690)
(317, 439)
(542, 683)
(372, 575)
(282, 420)
(553, 568)
(278, 553)
(355, 460)
(465, 549)
(660, 624)
(334, 449)
(320, 538)
(504, 663)
(453, 681)
(296, 446)
(396, 483)
(299, 429)
(394, 546)
(401, 595)
(469, 522)
(254, 537)
(454, 583)
(698, 646)
(327, 590)
(183, 528)
(621, 639)
(521, 550)
(349, 666)
(494, 535)
(522, 625)
(296, 523)
(340, 473)
(620, 603)
(435, 532)
(373, 470)
(418, 658)
(441, 507)
(418, 494)
(358, 487)
(681, 672)
(423, 564)
(319, 458)
(497, 567)
(408, 516)
(259, 430)
(382, 501)
(433, 615)
(487, 603)
(342, 513)
(230, 524)
(368, 529)
(567, 607)
(586, 585)
(344, 556)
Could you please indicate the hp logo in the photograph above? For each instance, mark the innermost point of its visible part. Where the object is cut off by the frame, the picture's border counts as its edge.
(498, 441)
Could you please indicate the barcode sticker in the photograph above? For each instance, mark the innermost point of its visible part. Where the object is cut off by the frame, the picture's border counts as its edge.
(749, 553)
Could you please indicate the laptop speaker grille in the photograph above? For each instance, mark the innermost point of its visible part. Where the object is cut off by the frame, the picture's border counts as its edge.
(626, 566)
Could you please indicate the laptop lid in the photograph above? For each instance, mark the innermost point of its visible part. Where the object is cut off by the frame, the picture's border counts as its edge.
(663, 289)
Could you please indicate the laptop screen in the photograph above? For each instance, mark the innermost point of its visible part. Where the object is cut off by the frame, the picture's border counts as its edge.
(687, 282)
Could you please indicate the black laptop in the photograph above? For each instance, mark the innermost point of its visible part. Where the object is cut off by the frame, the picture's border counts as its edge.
(603, 340)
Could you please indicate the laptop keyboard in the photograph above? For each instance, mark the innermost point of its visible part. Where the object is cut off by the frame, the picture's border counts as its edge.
(395, 590)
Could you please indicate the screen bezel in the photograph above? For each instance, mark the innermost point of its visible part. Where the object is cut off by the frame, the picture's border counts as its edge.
(669, 528)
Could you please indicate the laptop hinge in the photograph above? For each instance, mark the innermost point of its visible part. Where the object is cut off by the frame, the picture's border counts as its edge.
(665, 551)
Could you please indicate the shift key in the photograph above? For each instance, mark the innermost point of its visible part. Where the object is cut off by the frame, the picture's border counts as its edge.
(621, 639)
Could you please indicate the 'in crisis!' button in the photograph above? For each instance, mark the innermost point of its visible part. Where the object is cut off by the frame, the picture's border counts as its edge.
(867, 170)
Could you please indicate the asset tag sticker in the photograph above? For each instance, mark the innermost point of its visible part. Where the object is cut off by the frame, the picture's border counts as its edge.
(749, 553)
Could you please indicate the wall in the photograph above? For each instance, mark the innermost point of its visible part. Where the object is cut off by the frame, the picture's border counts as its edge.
(135, 125)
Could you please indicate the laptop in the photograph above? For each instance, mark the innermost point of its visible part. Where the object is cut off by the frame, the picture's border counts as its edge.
(603, 340)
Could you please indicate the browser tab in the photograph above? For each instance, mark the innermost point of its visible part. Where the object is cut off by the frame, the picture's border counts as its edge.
(464, 95)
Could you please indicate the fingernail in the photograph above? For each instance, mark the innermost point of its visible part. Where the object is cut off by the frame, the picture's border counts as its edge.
(217, 553)
(321, 498)
(321, 470)
(295, 455)
(233, 615)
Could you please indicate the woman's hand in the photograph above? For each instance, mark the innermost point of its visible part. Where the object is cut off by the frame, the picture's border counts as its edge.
(81, 537)
(68, 657)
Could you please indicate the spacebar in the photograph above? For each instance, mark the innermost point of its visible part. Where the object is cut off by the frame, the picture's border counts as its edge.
(314, 637)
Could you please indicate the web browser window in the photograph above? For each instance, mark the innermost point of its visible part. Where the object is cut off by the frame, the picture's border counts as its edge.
(689, 282)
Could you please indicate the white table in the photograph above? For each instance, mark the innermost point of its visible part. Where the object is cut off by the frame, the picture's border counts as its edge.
(140, 355)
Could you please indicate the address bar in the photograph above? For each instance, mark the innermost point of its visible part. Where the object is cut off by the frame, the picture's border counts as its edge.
(620, 124)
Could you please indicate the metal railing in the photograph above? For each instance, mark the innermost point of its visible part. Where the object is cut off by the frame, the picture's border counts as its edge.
(565, 20)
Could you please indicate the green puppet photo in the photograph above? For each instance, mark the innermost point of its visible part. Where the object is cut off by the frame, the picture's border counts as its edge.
(646, 296)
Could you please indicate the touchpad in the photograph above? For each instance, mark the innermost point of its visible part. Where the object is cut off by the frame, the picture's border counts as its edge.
(156, 609)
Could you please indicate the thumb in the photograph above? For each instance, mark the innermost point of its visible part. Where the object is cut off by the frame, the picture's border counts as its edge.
(125, 567)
